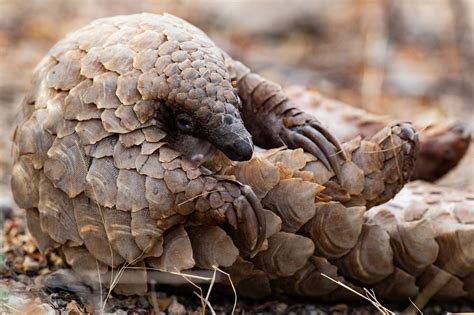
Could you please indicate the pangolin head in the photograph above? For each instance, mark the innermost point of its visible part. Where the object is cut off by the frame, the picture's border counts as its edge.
(203, 102)
(221, 125)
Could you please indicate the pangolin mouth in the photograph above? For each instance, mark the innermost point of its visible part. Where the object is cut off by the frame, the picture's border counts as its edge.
(240, 150)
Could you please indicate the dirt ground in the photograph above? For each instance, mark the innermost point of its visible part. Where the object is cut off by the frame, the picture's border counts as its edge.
(412, 59)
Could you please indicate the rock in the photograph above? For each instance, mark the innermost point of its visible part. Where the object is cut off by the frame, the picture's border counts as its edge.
(29, 264)
(143, 302)
(175, 307)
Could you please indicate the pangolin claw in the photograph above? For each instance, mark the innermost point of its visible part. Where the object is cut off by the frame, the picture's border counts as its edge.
(329, 136)
(259, 214)
(318, 142)
(327, 146)
(296, 140)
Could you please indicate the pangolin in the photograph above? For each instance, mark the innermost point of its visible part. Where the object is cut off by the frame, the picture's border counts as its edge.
(123, 157)
(108, 107)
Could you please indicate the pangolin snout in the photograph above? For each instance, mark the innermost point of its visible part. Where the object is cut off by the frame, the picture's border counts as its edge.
(230, 136)
(240, 150)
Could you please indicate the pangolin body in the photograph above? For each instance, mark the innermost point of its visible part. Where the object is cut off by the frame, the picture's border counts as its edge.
(118, 162)
(107, 112)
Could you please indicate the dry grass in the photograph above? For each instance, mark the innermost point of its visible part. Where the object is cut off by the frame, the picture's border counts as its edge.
(369, 296)
(205, 303)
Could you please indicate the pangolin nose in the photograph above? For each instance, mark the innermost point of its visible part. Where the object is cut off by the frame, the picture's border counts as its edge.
(240, 150)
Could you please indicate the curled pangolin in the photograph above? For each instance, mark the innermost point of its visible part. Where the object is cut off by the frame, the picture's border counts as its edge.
(118, 162)
(105, 118)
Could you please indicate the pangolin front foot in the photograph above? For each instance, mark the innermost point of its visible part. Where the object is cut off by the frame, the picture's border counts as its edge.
(241, 211)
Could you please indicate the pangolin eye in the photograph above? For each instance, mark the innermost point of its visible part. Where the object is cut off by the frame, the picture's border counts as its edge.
(184, 122)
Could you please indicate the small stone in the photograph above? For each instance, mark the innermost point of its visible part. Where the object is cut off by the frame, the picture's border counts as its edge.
(175, 307)
(280, 308)
(54, 296)
(143, 302)
(44, 271)
(313, 310)
(437, 309)
(55, 259)
(61, 303)
(25, 279)
(162, 302)
(56, 301)
(30, 265)
(6, 207)
(29, 248)
(338, 308)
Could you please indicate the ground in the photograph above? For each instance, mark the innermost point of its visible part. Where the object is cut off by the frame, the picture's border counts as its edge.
(410, 59)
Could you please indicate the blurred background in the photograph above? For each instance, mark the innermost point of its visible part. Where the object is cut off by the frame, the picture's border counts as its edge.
(413, 59)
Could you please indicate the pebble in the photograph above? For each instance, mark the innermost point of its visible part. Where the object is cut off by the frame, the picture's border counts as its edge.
(29, 264)
(313, 310)
(25, 279)
(6, 207)
(58, 303)
(338, 309)
(143, 302)
(437, 309)
(56, 259)
(57, 300)
(280, 308)
(175, 307)
(29, 247)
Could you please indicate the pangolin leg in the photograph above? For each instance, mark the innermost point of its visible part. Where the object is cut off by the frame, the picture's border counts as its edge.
(273, 120)
(442, 144)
